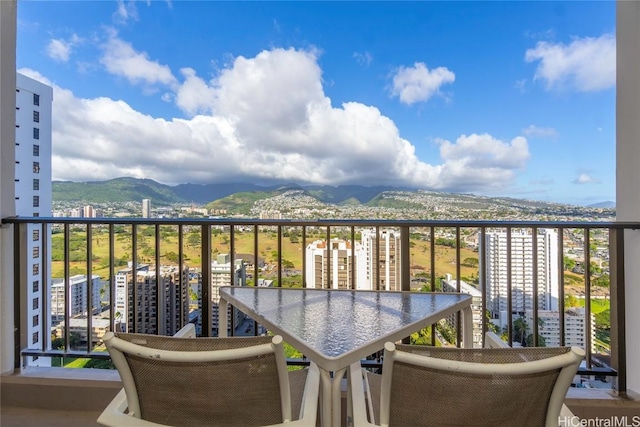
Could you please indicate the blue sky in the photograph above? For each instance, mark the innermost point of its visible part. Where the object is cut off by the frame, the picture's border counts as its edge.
(496, 98)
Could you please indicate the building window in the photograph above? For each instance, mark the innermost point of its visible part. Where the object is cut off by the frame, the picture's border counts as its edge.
(36, 116)
(36, 184)
(36, 286)
(36, 150)
(36, 337)
(36, 269)
(36, 201)
(36, 303)
(36, 133)
(36, 167)
(36, 235)
(36, 99)
(36, 320)
(36, 214)
(36, 252)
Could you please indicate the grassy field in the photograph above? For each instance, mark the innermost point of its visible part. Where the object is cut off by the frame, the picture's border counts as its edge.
(597, 305)
(445, 256)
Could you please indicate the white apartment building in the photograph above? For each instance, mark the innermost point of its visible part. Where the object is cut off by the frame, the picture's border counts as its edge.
(270, 214)
(144, 312)
(382, 250)
(88, 212)
(449, 285)
(343, 263)
(75, 296)
(99, 327)
(146, 208)
(33, 190)
(574, 327)
(522, 277)
(221, 276)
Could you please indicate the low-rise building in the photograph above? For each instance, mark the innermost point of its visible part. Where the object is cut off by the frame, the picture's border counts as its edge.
(449, 285)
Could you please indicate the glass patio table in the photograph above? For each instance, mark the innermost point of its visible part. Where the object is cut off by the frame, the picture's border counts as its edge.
(335, 328)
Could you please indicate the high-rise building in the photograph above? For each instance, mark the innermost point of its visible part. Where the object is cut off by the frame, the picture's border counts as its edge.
(575, 332)
(522, 278)
(174, 304)
(221, 275)
(342, 264)
(33, 190)
(75, 296)
(88, 212)
(146, 208)
(373, 263)
(382, 251)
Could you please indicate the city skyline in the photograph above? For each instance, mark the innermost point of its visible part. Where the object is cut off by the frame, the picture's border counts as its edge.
(500, 99)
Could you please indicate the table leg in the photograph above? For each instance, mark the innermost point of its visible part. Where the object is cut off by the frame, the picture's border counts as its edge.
(336, 394)
(331, 398)
(467, 328)
(222, 318)
(326, 388)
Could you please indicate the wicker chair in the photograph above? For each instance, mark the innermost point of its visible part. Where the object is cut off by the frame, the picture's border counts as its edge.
(442, 386)
(208, 382)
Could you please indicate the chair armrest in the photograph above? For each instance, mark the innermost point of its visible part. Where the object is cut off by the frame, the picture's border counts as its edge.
(187, 331)
(114, 414)
(492, 340)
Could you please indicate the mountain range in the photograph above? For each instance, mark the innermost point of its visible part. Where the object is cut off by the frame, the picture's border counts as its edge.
(120, 190)
(239, 197)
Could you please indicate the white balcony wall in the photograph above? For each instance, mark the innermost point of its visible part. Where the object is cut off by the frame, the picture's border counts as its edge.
(627, 171)
(7, 175)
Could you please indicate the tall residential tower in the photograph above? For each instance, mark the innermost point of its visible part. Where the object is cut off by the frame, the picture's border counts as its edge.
(33, 198)
(517, 255)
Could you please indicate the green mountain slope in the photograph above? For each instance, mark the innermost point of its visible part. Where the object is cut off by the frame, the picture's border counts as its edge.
(115, 190)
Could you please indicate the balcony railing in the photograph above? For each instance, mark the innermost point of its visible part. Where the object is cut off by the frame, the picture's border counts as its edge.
(422, 253)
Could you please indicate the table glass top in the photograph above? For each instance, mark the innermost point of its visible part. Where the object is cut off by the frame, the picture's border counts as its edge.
(334, 322)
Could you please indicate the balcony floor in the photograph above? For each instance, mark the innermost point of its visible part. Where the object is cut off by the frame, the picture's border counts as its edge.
(14, 416)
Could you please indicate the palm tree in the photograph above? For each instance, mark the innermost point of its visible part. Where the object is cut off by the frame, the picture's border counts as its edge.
(520, 330)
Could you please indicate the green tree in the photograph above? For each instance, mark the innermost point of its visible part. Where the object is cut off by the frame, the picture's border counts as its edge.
(601, 281)
(100, 364)
(470, 262)
(172, 256)
(491, 327)
(194, 240)
(286, 264)
(520, 330)
(541, 341)
(569, 264)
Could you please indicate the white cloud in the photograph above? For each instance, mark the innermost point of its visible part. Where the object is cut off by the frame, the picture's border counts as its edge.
(126, 11)
(121, 59)
(418, 83)
(60, 49)
(482, 162)
(538, 132)
(265, 118)
(363, 58)
(585, 178)
(586, 64)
